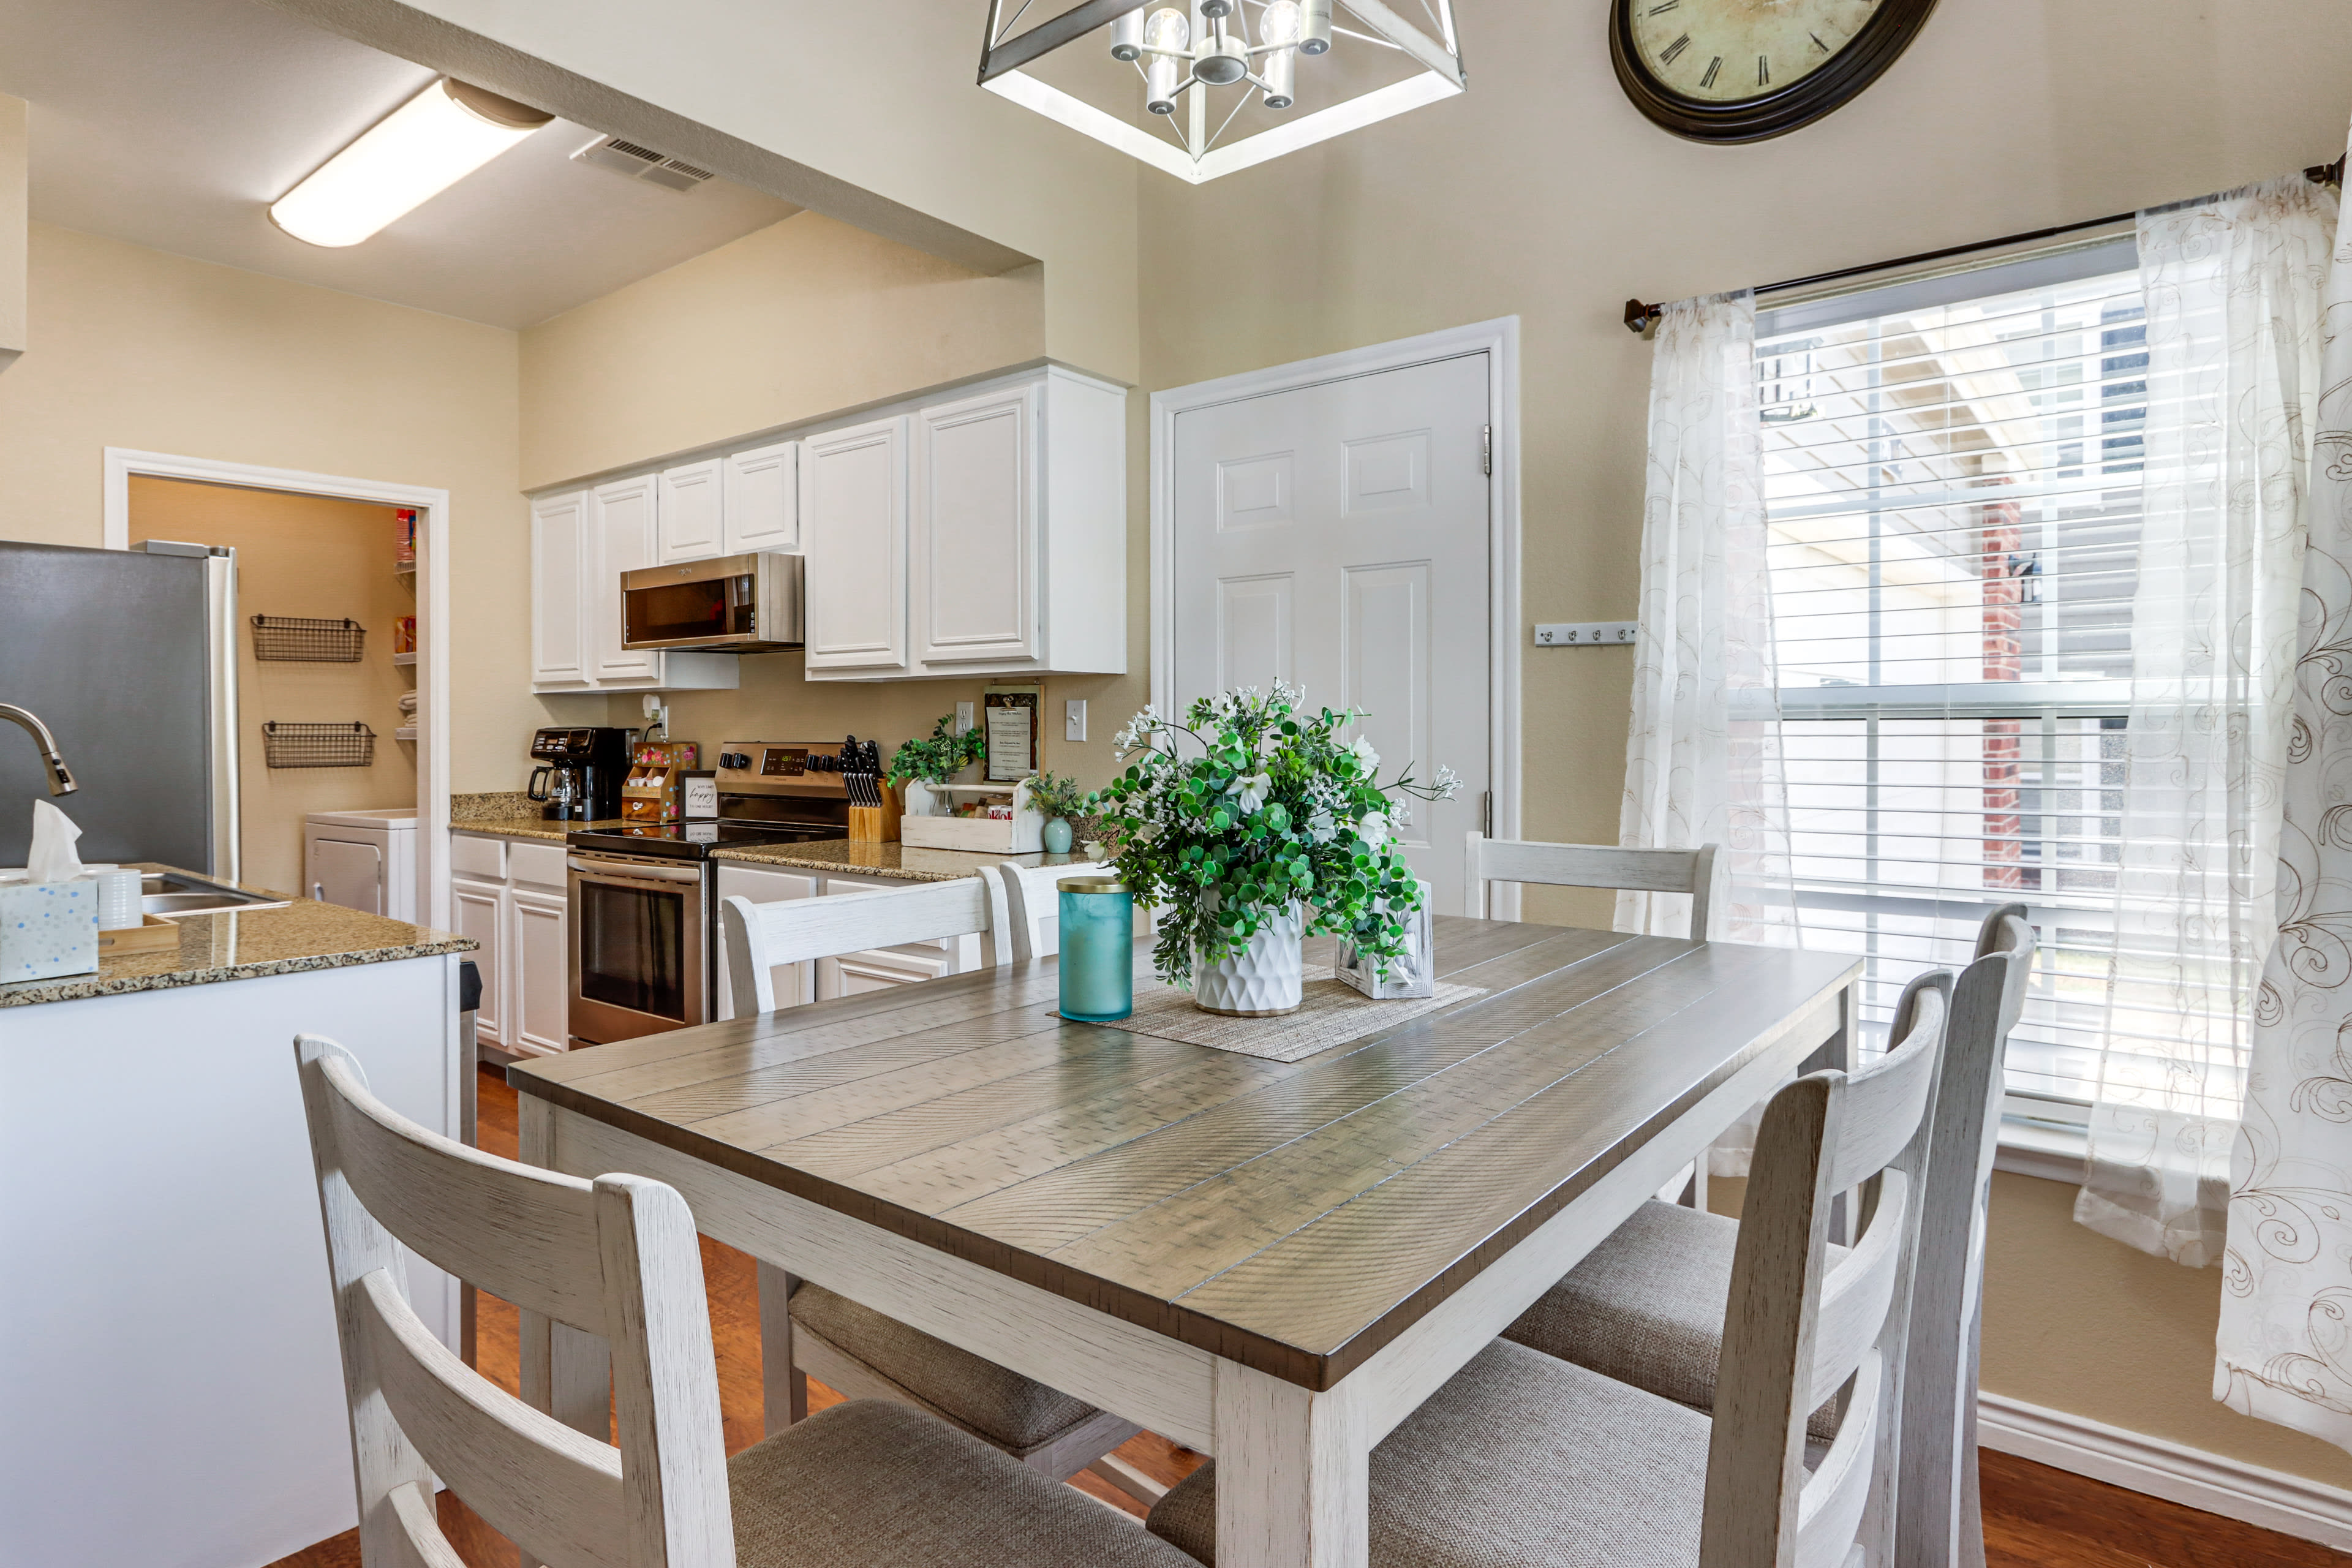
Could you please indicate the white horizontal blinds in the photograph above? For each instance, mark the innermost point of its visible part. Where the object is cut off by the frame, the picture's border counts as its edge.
(1953, 491)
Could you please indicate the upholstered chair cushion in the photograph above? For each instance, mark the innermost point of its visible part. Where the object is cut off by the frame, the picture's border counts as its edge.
(1521, 1460)
(870, 1484)
(1645, 1307)
(1016, 1411)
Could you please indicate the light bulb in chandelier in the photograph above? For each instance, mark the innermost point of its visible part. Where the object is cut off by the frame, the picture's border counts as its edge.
(1168, 35)
(1277, 31)
(1314, 26)
(1126, 35)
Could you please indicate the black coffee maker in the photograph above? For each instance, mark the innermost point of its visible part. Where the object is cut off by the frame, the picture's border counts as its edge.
(581, 773)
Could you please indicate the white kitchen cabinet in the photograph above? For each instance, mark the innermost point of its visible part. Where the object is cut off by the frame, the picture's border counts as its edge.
(764, 500)
(560, 557)
(542, 986)
(853, 531)
(480, 911)
(625, 514)
(795, 983)
(1009, 556)
(975, 581)
(690, 511)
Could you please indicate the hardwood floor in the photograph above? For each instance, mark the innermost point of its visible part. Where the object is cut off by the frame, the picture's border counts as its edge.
(2036, 1517)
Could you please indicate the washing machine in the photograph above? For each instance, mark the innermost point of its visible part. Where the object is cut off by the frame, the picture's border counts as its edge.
(363, 860)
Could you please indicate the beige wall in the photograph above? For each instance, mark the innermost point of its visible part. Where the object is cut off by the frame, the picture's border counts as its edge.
(800, 320)
(135, 348)
(309, 556)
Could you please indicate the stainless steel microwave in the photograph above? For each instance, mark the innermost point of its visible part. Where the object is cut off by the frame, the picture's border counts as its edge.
(730, 604)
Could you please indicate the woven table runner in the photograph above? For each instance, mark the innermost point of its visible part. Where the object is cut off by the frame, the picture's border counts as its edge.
(1329, 1013)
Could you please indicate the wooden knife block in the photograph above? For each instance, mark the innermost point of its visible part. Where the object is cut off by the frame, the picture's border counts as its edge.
(876, 824)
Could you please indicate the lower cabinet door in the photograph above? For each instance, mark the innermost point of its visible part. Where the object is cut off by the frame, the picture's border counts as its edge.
(877, 970)
(480, 911)
(542, 988)
(795, 983)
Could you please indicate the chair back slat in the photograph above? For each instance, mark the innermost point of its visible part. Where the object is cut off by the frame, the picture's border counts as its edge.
(1888, 1098)
(552, 1491)
(1691, 871)
(1860, 1291)
(527, 1237)
(633, 1274)
(1830, 1510)
(760, 937)
(1032, 905)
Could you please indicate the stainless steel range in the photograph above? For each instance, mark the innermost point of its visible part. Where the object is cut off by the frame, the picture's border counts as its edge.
(645, 909)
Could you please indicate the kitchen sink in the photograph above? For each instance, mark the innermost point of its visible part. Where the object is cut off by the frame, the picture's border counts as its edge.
(173, 894)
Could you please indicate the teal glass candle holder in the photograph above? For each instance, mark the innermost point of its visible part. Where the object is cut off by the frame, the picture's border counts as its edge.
(1097, 961)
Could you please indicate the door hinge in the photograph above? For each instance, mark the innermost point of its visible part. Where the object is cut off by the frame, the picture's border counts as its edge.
(1487, 451)
(1486, 814)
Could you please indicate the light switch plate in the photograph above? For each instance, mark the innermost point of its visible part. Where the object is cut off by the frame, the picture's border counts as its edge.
(1586, 634)
(963, 717)
(1074, 719)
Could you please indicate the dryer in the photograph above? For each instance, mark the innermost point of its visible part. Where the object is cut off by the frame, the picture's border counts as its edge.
(363, 860)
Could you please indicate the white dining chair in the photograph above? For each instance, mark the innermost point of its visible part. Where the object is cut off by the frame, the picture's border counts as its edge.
(1691, 871)
(812, 1332)
(1527, 1459)
(1646, 1306)
(1033, 906)
(864, 1485)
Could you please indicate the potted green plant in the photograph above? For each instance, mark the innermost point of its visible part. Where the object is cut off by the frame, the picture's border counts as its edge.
(1064, 804)
(1266, 829)
(920, 763)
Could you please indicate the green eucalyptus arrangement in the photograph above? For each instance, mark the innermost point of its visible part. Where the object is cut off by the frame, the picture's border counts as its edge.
(939, 758)
(1266, 809)
(1054, 796)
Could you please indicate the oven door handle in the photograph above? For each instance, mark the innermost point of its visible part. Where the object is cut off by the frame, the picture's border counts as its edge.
(603, 871)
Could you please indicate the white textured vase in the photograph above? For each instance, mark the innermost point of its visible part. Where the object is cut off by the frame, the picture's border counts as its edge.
(1261, 980)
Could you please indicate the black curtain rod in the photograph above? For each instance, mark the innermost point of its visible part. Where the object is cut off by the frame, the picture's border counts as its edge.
(1639, 316)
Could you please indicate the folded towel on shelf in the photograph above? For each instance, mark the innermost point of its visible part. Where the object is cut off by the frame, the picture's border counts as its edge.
(408, 702)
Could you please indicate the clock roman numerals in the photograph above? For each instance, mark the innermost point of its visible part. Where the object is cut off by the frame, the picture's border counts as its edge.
(1662, 10)
(1666, 56)
(1763, 71)
(1712, 66)
(1817, 42)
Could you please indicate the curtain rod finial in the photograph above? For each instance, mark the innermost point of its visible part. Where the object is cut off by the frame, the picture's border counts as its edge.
(2325, 173)
(1639, 316)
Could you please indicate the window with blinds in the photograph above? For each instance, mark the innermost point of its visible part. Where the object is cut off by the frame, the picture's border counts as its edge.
(1952, 474)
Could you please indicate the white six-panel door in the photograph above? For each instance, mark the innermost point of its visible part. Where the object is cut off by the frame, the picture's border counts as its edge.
(1337, 537)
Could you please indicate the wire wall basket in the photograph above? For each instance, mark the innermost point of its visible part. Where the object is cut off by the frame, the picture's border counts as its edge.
(296, 640)
(285, 745)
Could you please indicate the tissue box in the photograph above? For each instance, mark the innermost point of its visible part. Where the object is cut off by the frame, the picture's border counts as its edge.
(47, 929)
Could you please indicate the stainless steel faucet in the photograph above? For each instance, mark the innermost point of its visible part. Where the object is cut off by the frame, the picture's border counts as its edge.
(61, 781)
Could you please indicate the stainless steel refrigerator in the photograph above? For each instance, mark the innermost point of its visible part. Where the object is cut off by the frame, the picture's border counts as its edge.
(130, 657)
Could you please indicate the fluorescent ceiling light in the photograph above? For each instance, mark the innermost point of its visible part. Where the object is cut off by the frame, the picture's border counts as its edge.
(413, 154)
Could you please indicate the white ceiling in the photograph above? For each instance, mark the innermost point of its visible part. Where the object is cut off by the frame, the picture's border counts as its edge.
(173, 124)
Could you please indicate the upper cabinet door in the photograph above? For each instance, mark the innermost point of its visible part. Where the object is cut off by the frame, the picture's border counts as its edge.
(976, 528)
(764, 500)
(691, 511)
(560, 555)
(854, 532)
(625, 514)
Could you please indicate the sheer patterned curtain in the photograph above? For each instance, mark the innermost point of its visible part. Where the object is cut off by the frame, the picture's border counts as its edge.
(2285, 1339)
(1703, 755)
(2232, 290)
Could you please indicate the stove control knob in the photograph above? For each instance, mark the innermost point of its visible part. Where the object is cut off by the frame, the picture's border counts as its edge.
(733, 759)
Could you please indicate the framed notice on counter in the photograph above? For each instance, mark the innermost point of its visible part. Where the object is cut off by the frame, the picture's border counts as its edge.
(1009, 714)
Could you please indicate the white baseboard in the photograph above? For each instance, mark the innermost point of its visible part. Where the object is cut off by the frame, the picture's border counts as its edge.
(2288, 1504)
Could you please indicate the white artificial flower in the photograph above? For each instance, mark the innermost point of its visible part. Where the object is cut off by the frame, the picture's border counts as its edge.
(1366, 758)
(1374, 830)
(1449, 783)
(1322, 826)
(1253, 790)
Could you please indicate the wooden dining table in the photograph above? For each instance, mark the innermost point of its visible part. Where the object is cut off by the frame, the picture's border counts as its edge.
(1272, 1262)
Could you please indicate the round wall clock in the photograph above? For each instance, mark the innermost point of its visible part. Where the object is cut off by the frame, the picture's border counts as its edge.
(1741, 70)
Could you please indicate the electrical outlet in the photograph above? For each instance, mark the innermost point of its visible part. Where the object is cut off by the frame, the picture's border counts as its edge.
(963, 717)
(1074, 719)
(1586, 634)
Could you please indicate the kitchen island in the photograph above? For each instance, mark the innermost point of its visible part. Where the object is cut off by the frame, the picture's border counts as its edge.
(167, 1338)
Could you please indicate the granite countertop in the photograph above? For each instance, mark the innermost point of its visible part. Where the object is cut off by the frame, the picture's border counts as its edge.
(887, 862)
(531, 827)
(245, 944)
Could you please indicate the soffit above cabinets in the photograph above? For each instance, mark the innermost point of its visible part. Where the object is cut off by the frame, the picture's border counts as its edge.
(173, 124)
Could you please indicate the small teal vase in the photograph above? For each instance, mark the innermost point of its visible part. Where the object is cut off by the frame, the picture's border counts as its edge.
(1058, 836)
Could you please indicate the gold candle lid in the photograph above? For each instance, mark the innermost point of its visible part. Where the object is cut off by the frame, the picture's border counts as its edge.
(1090, 884)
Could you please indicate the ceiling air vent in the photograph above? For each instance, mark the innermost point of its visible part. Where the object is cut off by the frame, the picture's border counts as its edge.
(640, 163)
